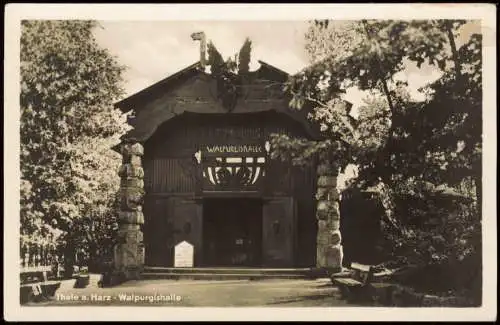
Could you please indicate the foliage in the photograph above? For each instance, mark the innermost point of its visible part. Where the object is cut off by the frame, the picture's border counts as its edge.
(244, 57)
(68, 126)
(400, 145)
(93, 236)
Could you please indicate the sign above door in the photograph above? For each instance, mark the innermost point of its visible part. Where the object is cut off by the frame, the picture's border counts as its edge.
(231, 167)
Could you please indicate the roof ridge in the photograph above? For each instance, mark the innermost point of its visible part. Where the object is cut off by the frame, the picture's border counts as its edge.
(128, 101)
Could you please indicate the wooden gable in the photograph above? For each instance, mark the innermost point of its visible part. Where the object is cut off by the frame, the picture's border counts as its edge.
(192, 90)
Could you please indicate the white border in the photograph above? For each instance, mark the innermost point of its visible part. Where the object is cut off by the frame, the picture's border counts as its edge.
(14, 13)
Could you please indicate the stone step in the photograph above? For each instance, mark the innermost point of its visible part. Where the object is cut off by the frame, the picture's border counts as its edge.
(220, 276)
(224, 273)
(304, 272)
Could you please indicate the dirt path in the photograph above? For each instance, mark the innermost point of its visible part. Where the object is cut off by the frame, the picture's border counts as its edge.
(198, 293)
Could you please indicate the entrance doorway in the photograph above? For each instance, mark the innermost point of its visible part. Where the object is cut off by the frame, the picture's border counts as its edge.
(232, 232)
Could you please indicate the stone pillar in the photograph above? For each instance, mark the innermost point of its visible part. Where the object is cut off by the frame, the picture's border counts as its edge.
(328, 241)
(129, 250)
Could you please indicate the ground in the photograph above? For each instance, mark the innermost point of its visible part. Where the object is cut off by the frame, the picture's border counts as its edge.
(201, 293)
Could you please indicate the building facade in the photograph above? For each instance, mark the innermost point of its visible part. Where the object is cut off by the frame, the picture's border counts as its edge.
(199, 172)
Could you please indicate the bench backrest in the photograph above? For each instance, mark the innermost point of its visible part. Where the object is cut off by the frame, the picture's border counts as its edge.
(362, 273)
(34, 274)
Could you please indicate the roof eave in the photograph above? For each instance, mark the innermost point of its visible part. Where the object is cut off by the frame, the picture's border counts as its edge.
(272, 67)
(124, 104)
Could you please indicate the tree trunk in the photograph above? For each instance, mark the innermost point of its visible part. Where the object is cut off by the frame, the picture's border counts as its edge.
(451, 39)
(479, 192)
(380, 72)
(69, 260)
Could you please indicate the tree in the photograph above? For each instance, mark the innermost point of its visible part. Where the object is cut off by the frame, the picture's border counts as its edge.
(367, 55)
(68, 126)
(408, 152)
(244, 57)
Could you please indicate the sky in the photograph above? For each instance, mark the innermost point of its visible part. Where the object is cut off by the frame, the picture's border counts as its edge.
(153, 50)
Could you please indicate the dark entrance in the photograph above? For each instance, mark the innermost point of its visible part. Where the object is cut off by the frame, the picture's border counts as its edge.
(360, 227)
(232, 232)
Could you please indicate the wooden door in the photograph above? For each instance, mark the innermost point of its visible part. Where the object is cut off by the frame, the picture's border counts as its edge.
(157, 238)
(278, 232)
(186, 221)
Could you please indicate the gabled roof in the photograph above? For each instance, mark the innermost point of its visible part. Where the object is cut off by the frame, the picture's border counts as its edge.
(272, 68)
(154, 99)
(128, 103)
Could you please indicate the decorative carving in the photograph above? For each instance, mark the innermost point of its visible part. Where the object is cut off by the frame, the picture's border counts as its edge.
(322, 215)
(131, 199)
(335, 224)
(327, 210)
(129, 170)
(131, 149)
(335, 255)
(227, 176)
(327, 193)
(132, 182)
(336, 237)
(329, 248)
(233, 172)
(129, 250)
(131, 217)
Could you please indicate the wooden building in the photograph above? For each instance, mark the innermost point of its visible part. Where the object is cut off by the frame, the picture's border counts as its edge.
(208, 177)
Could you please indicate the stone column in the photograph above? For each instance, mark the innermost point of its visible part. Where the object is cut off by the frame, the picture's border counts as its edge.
(129, 250)
(328, 240)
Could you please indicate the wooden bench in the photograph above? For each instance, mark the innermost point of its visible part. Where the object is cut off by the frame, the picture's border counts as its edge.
(34, 274)
(34, 292)
(354, 287)
(35, 283)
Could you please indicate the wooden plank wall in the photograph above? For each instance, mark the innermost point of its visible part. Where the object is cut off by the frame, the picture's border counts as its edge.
(170, 172)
